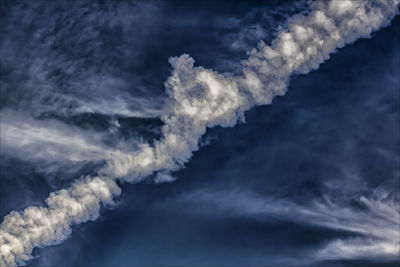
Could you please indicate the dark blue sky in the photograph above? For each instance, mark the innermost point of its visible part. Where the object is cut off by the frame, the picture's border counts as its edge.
(264, 193)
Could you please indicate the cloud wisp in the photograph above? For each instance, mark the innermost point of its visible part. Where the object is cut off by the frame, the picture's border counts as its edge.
(52, 141)
(199, 98)
(51, 68)
(374, 227)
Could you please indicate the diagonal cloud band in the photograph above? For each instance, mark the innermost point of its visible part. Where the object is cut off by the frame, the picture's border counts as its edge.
(199, 98)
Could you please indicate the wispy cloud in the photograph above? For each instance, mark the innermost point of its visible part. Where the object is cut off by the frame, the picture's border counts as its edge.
(375, 225)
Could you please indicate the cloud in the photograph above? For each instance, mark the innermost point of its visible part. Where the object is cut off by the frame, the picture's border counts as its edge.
(49, 226)
(52, 141)
(241, 34)
(57, 59)
(374, 227)
(199, 98)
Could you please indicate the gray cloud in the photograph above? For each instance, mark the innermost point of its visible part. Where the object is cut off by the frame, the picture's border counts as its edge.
(375, 226)
(63, 63)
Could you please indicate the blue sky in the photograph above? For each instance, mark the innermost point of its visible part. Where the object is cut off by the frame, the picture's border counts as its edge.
(310, 180)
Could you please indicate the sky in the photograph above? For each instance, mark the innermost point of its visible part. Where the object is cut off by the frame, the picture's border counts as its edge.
(182, 133)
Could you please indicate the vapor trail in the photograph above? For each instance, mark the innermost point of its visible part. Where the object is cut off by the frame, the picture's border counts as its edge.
(199, 98)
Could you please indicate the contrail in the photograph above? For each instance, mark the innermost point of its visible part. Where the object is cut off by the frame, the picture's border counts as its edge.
(199, 98)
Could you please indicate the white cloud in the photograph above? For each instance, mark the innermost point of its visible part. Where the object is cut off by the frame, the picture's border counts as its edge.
(198, 98)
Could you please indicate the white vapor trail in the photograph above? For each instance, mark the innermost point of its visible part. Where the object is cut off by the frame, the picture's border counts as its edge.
(199, 98)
